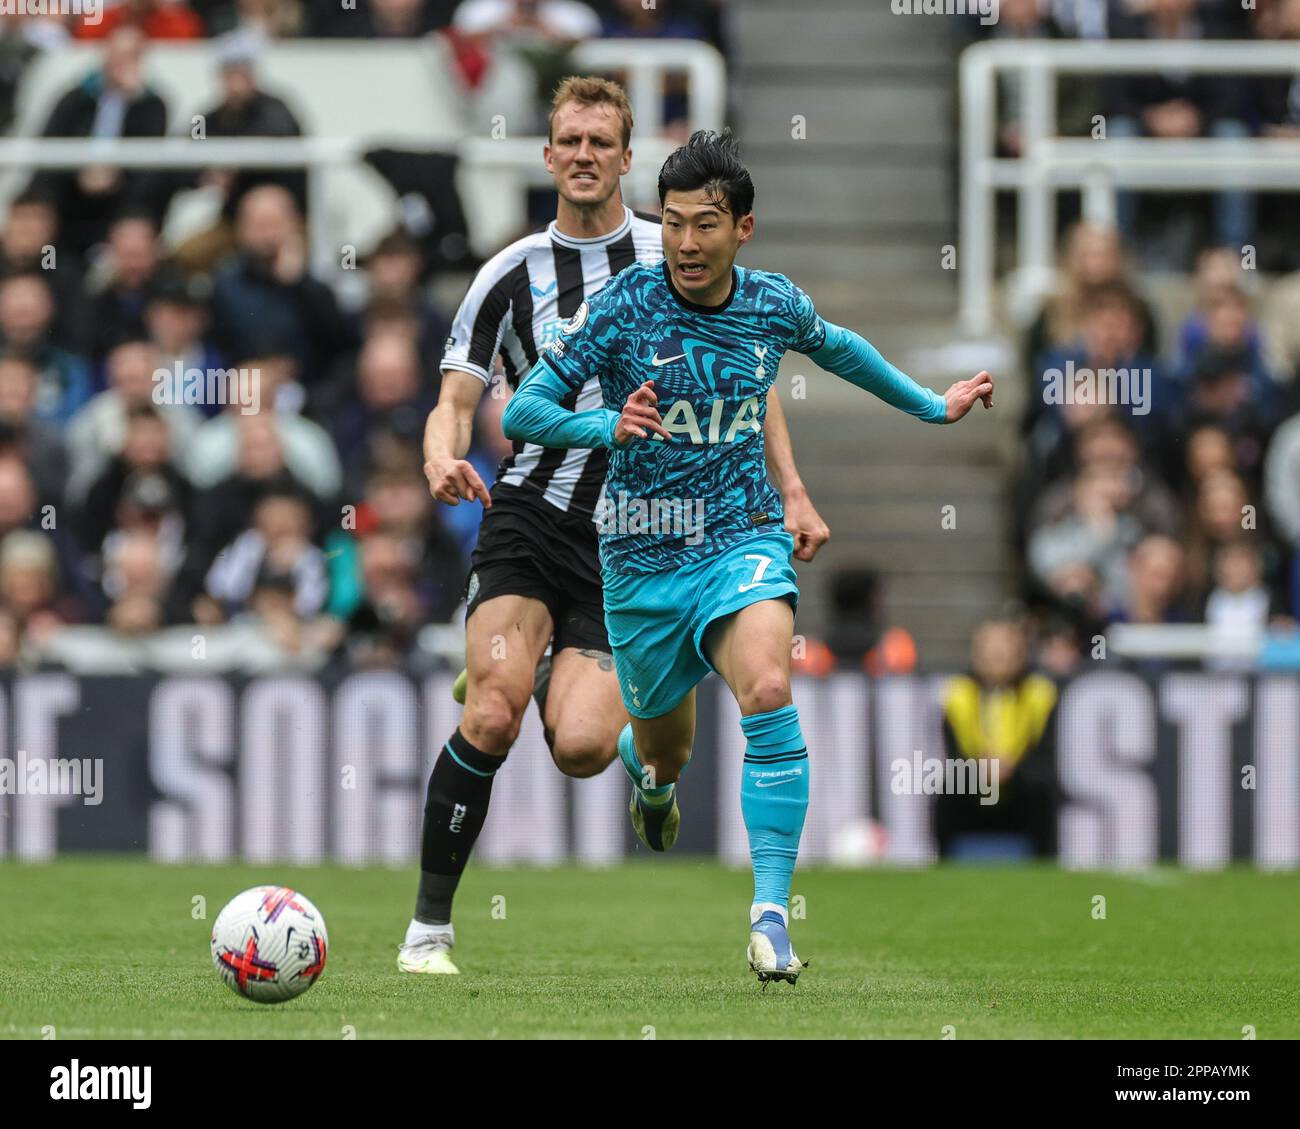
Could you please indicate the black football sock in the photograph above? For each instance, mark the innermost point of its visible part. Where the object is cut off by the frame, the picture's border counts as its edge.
(454, 810)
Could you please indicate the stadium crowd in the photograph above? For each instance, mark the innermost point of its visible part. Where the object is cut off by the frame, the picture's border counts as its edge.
(209, 433)
(289, 497)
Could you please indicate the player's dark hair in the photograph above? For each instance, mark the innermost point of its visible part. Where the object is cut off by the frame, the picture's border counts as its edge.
(710, 161)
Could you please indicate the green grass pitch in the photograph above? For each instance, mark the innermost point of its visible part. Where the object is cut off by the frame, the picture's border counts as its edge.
(109, 948)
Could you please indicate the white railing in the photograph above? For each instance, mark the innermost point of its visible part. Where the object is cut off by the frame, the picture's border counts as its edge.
(1099, 168)
(516, 160)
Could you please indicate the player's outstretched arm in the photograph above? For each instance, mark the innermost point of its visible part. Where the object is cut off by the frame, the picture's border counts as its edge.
(535, 415)
(447, 434)
(851, 357)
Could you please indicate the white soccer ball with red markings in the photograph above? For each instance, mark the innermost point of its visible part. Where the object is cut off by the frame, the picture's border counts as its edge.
(269, 944)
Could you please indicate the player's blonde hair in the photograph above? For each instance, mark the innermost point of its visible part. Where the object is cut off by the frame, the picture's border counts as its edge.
(589, 91)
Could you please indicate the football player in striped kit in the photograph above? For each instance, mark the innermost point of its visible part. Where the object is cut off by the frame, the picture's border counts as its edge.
(535, 577)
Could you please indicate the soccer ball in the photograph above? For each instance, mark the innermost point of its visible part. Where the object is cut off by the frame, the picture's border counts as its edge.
(269, 944)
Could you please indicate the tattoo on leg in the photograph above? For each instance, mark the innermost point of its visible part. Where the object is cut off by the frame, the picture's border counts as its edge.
(603, 658)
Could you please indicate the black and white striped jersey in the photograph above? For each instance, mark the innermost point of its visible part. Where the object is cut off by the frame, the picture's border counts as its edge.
(516, 306)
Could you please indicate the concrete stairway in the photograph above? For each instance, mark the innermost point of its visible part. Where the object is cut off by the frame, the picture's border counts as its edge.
(847, 114)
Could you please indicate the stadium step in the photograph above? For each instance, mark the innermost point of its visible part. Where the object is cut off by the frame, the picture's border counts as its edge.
(847, 112)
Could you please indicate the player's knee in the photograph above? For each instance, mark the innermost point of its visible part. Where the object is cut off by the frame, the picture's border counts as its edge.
(581, 757)
(492, 719)
(766, 693)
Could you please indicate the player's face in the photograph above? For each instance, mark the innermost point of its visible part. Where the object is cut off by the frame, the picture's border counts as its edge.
(586, 154)
(701, 240)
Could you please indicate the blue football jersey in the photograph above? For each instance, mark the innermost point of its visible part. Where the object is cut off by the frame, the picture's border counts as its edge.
(684, 499)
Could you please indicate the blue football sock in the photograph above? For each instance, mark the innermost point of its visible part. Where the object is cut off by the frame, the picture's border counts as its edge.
(654, 797)
(774, 800)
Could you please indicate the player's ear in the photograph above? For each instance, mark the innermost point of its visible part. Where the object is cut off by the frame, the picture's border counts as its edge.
(746, 228)
(547, 158)
(627, 161)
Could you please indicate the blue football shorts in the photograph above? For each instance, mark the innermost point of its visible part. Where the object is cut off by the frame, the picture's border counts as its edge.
(656, 621)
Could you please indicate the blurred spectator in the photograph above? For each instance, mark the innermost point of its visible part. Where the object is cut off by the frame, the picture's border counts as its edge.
(176, 318)
(21, 41)
(1110, 339)
(394, 271)
(113, 102)
(1240, 600)
(68, 590)
(1221, 512)
(536, 34)
(99, 431)
(136, 585)
(383, 627)
(1218, 270)
(144, 471)
(1227, 392)
(1156, 584)
(1227, 329)
(1096, 533)
(1082, 19)
(157, 19)
(391, 395)
(1209, 448)
(1093, 256)
(1109, 443)
(1059, 647)
(307, 449)
(264, 292)
(1000, 713)
(27, 323)
(1174, 105)
(29, 243)
(36, 444)
(247, 110)
(117, 285)
(398, 502)
(221, 512)
(275, 550)
(272, 19)
(29, 583)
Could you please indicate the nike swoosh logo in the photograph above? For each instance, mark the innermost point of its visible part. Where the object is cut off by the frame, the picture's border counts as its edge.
(774, 783)
(747, 587)
(666, 361)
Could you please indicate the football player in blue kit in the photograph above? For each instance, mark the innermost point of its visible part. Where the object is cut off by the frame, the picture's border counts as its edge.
(694, 559)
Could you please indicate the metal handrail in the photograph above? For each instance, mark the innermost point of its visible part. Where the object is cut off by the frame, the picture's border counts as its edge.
(1098, 168)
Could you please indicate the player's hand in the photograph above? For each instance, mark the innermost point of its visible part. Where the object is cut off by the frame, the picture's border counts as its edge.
(961, 396)
(805, 525)
(640, 417)
(450, 480)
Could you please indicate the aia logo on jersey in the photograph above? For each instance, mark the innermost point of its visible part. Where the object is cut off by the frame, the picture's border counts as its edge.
(707, 425)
